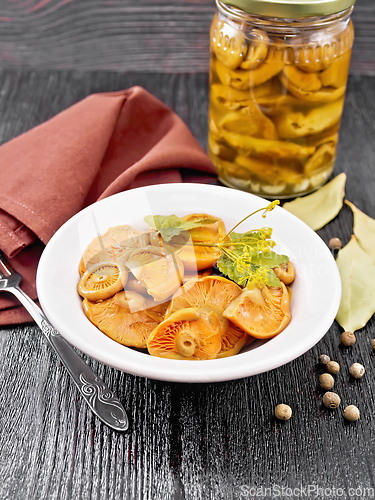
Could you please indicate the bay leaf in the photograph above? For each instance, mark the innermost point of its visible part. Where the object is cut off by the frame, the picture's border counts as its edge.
(364, 230)
(357, 273)
(320, 207)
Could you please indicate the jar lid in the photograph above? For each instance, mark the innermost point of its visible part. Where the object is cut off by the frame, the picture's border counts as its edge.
(291, 8)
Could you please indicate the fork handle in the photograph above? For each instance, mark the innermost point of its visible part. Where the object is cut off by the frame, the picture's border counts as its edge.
(98, 396)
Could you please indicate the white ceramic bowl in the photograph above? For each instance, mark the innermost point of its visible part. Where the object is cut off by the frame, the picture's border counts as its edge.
(316, 289)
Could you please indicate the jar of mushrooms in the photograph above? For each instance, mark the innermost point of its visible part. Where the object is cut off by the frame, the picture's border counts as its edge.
(278, 75)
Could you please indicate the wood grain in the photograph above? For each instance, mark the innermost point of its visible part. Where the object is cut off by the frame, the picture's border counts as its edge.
(186, 442)
(149, 35)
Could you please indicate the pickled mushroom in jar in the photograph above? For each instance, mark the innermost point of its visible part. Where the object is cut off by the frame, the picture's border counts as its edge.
(224, 95)
(273, 149)
(250, 121)
(257, 50)
(220, 150)
(264, 72)
(326, 94)
(237, 79)
(266, 172)
(336, 74)
(228, 44)
(313, 59)
(276, 106)
(291, 124)
(309, 82)
(245, 79)
(322, 156)
(329, 136)
(214, 129)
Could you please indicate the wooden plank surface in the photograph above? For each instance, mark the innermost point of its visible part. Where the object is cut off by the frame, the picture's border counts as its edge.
(186, 442)
(149, 35)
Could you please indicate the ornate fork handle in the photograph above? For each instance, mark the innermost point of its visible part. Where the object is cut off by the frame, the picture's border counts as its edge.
(98, 396)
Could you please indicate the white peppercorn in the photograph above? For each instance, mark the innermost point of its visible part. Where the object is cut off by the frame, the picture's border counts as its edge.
(335, 243)
(326, 381)
(331, 400)
(351, 413)
(357, 370)
(333, 367)
(283, 412)
(347, 338)
(324, 359)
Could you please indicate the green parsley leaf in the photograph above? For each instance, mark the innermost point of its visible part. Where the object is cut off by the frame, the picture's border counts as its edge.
(171, 225)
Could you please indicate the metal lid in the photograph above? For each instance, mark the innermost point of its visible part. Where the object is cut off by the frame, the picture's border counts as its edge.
(291, 8)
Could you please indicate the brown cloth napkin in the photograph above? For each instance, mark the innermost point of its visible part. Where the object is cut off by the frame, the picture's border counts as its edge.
(100, 146)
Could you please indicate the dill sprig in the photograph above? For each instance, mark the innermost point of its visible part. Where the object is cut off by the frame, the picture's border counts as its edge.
(247, 258)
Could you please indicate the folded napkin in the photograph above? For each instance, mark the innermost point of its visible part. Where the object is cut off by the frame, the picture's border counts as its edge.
(100, 146)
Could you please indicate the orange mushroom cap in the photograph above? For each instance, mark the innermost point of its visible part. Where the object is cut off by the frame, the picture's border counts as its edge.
(261, 312)
(187, 334)
(126, 317)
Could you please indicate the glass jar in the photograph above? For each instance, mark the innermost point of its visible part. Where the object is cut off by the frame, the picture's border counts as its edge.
(278, 75)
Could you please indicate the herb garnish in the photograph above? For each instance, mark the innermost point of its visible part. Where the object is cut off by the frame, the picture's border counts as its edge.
(171, 225)
(246, 258)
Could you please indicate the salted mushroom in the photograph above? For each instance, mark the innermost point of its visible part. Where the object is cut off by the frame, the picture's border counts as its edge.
(160, 272)
(135, 285)
(215, 292)
(102, 281)
(187, 334)
(112, 245)
(285, 272)
(212, 293)
(125, 317)
(194, 255)
(193, 275)
(261, 312)
(233, 340)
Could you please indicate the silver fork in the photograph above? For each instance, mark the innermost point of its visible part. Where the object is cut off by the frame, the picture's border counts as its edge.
(100, 399)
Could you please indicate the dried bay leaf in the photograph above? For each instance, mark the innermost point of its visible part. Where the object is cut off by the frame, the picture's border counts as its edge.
(357, 273)
(364, 230)
(320, 207)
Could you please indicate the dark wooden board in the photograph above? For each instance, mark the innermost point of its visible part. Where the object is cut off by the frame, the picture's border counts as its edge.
(186, 442)
(149, 35)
